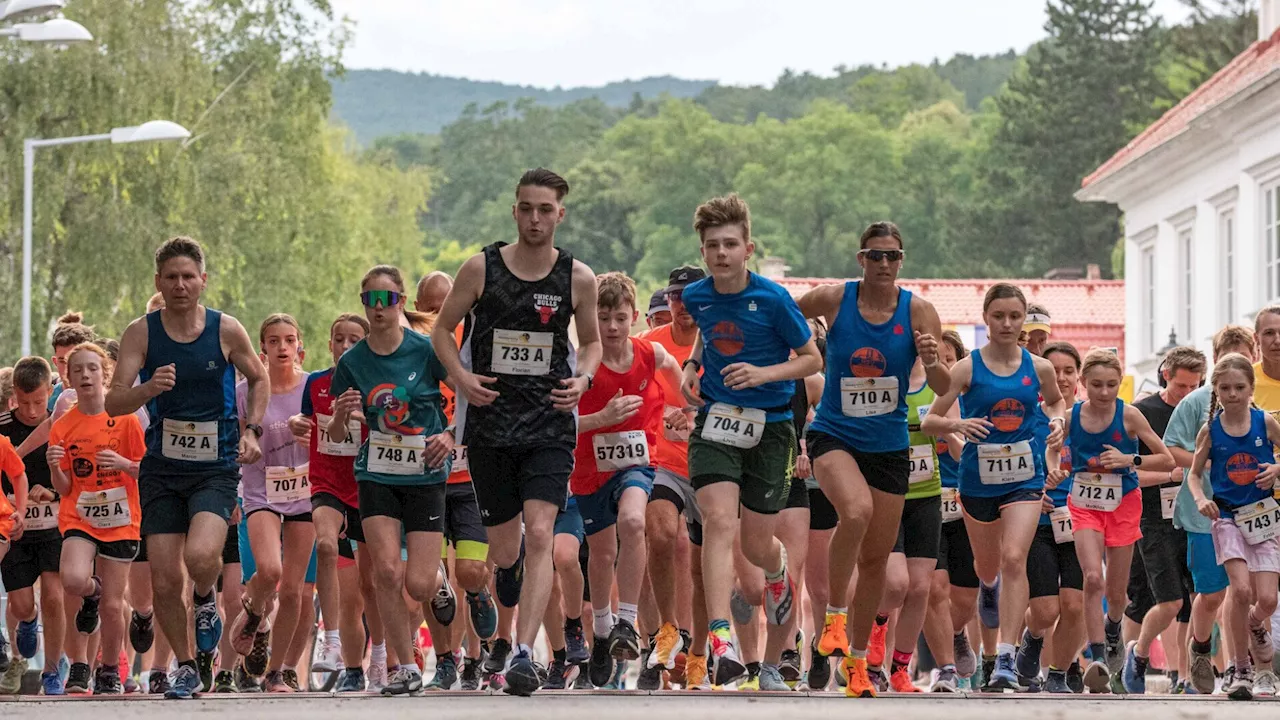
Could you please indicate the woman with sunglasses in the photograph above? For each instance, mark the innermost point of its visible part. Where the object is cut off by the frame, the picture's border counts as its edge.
(393, 376)
(859, 442)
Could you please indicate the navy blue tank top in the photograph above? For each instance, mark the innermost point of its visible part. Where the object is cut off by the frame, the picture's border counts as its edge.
(1234, 461)
(1087, 446)
(1011, 458)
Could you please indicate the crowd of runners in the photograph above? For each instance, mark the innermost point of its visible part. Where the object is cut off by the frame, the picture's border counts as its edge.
(754, 493)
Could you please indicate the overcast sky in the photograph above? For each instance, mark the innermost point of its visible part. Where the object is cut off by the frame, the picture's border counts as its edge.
(592, 42)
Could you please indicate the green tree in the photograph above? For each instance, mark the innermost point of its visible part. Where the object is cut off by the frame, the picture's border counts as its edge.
(891, 95)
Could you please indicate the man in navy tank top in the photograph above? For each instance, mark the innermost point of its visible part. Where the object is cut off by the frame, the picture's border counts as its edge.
(518, 382)
(186, 356)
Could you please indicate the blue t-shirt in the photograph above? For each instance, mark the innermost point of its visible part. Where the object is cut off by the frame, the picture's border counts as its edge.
(401, 399)
(1188, 417)
(761, 326)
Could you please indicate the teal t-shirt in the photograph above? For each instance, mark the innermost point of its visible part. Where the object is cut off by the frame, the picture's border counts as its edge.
(402, 402)
(1188, 417)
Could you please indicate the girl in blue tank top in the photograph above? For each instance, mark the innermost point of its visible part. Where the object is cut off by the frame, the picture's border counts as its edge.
(1002, 466)
(1238, 443)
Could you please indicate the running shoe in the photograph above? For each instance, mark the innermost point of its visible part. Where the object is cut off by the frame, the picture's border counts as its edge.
(1264, 685)
(619, 679)
(11, 681)
(695, 673)
(330, 659)
(1135, 671)
(835, 637)
(878, 679)
(989, 604)
(740, 608)
(446, 673)
(1097, 677)
(27, 637)
(51, 684)
(243, 630)
(351, 680)
(624, 642)
(728, 666)
(966, 658)
(274, 683)
(208, 626)
(946, 681)
(771, 679)
(779, 596)
(78, 679)
(1027, 661)
(575, 644)
(404, 681)
(650, 677)
(419, 658)
(981, 678)
(225, 682)
(246, 682)
(1260, 646)
(600, 667)
(1241, 687)
(142, 632)
(521, 677)
(106, 681)
(790, 665)
(666, 646)
(471, 674)
(291, 679)
(444, 606)
(1114, 646)
(204, 666)
(185, 684)
(508, 581)
(497, 660)
(1004, 677)
(87, 619)
(4, 654)
(484, 614)
(900, 682)
(819, 669)
(158, 683)
(557, 676)
(857, 684)
(876, 645)
(752, 683)
(1202, 674)
(255, 662)
(1075, 678)
(1056, 683)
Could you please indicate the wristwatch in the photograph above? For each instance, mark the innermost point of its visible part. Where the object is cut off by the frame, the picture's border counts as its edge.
(255, 429)
(1137, 461)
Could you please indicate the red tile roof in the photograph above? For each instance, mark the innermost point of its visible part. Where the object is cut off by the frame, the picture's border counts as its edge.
(1259, 60)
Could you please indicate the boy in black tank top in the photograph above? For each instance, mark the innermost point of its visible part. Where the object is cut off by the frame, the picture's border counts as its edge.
(518, 382)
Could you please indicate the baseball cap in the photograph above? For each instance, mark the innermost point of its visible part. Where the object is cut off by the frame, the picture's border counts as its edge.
(682, 276)
(1036, 321)
(658, 303)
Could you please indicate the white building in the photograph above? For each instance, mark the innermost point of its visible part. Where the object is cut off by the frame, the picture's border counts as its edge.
(1200, 191)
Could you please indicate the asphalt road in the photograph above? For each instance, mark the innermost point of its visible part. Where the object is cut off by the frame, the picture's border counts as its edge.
(641, 706)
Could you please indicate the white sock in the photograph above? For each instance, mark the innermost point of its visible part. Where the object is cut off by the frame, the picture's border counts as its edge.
(833, 609)
(331, 636)
(378, 655)
(601, 621)
(628, 612)
(1004, 649)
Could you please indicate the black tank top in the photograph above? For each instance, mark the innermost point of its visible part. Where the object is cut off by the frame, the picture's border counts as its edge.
(518, 332)
(800, 407)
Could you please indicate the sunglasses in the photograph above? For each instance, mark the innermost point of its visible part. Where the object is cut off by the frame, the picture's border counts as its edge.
(879, 255)
(385, 298)
(674, 295)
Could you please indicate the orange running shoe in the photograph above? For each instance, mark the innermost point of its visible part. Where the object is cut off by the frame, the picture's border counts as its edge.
(900, 681)
(875, 646)
(695, 673)
(835, 638)
(858, 684)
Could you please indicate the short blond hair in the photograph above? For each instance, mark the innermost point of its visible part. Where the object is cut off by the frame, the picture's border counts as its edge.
(722, 211)
(1099, 357)
(615, 290)
(1230, 336)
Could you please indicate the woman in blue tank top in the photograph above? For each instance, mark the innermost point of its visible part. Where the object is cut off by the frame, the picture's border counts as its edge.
(1002, 467)
(1238, 443)
(858, 442)
(1105, 502)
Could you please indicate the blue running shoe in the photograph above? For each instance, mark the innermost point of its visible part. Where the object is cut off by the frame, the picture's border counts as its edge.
(484, 615)
(1135, 671)
(27, 638)
(521, 676)
(208, 627)
(1027, 661)
(185, 684)
(1004, 677)
(51, 683)
(509, 581)
(989, 604)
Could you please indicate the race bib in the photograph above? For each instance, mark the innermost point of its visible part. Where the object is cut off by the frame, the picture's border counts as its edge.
(1097, 491)
(734, 426)
(396, 454)
(190, 441)
(287, 485)
(868, 397)
(40, 516)
(458, 457)
(922, 463)
(516, 352)
(1005, 464)
(1063, 532)
(950, 504)
(105, 509)
(1259, 522)
(670, 432)
(326, 445)
(620, 450)
(1168, 497)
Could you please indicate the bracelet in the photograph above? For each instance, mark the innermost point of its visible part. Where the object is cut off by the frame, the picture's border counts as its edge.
(696, 365)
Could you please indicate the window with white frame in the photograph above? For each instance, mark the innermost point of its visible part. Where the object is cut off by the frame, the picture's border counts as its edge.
(1149, 298)
(1271, 239)
(1186, 254)
(1227, 254)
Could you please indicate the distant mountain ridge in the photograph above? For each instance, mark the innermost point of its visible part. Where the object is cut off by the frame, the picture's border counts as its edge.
(374, 103)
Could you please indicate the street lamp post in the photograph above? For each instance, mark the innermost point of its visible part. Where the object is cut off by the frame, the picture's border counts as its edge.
(147, 132)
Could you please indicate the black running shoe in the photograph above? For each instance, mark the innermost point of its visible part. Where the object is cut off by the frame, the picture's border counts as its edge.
(497, 660)
(87, 620)
(522, 677)
(472, 670)
(142, 632)
(225, 682)
(508, 581)
(624, 641)
(106, 681)
(204, 666)
(600, 667)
